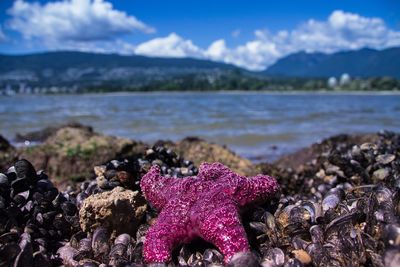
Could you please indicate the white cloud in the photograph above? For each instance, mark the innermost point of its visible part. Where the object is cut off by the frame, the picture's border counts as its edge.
(72, 21)
(344, 30)
(341, 31)
(94, 25)
(170, 46)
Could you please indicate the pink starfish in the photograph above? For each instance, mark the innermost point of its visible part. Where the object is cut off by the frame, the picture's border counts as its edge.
(205, 206)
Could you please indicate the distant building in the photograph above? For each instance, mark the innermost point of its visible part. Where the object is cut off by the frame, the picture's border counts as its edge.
(332, 82)
(344, 79)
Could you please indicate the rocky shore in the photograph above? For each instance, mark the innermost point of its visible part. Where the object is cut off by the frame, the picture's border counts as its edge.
(339, 203)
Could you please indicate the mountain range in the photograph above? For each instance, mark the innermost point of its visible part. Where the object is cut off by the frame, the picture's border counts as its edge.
(359, 63)
(69, 68)
(90, 69)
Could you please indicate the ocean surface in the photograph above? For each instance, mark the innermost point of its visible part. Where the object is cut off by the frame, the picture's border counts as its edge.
(260, 126)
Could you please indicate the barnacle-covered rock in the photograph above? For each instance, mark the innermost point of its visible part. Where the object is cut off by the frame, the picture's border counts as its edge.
(71, 152)
(119, 210)
(201, 151)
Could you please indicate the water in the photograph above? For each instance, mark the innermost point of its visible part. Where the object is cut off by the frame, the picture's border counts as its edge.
(257, 126)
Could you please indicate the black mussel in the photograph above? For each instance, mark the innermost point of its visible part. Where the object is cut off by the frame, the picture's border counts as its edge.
(110, 174)
(392, 235)
(41, 260)
(392, 257)
(2, 203)
(27, 207)
(80, 198)
(59, 222)
(8, 252)
(273, 257)
(68, 254)
(22, 198)
(213, 256)
(195, 259)
(314, 209)
(85, 248)
(25, 170)
(25, 257)
(44, 185)
(184, 254)
(19, 185)
(118, 255)
(332, 199)
(118, 250)
(69, 208)
(9, 237)
(258, 227)
(385, 158)
(141, 232)
(11, 174)
(42, 175)
(124, 239)
(299, 243)
(4, 180)
(41, 243)
(317, 234)
(100, 240)
(338, 224)
(91, 187)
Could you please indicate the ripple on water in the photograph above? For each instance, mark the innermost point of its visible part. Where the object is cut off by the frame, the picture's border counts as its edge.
(249, 123)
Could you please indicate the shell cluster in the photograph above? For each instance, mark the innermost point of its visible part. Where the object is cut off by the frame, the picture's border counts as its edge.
(342, 208)
(127, 172)
(34, 217)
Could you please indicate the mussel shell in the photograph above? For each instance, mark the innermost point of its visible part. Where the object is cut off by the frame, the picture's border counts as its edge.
(84, 249)
(213, 256)
(243, 259)
(41, 260)
(8, 252)
(4, 180)
(44, 185)
(317, 234)
(9, 237)
(19, 185)
(25, 170)
(392, 257)
(69, 208)
(124, 239)
(385, 158)
(118, 255)
(68, 254)
(275, 256)
(392, 235)
(315, 211)
(100, 240)
(25, 257)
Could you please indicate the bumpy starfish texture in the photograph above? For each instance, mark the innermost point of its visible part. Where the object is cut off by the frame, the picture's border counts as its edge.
(206, 206)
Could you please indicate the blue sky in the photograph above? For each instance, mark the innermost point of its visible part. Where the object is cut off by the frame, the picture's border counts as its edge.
(250, 34)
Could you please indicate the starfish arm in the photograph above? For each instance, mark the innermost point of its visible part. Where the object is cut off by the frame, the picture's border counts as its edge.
(169, 231)
(222, 227)
(253, 189)
(157, 189)
(212, 171)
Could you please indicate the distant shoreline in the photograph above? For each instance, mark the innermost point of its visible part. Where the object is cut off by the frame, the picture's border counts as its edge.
(228, 92)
